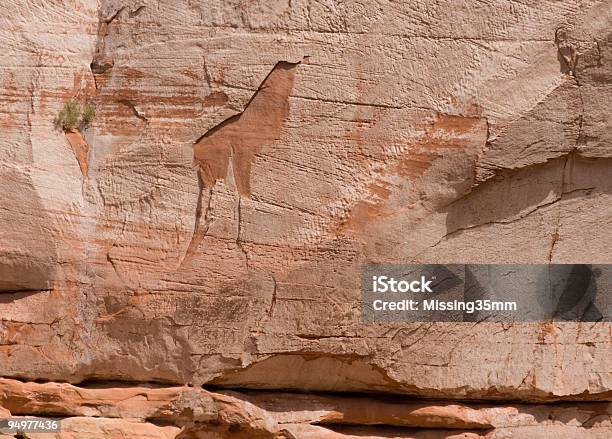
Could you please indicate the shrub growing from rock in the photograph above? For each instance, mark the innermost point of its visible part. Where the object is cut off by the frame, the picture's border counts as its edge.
(73, 116)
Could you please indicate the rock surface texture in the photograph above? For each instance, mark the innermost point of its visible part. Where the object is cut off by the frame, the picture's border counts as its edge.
(188, 266)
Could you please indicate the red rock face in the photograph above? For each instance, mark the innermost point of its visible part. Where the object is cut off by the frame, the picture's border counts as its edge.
(80, 148)
(242, 136)
(188, 266)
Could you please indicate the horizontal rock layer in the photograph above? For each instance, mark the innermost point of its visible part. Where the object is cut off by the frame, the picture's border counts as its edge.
(190, 412)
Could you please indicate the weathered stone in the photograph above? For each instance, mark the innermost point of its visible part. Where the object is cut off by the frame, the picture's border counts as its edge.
(199, 413)
(245, 161)
(103, 428)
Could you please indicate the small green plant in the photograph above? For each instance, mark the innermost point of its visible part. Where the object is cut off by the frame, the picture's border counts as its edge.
(72, 116)
(89, 112)
(69, 115)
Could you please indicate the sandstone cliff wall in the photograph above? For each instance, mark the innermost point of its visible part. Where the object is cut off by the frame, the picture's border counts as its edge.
(246, 158)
